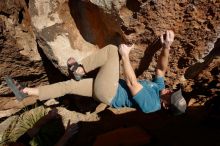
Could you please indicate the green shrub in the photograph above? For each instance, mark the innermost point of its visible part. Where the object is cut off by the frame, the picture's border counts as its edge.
(48, 134)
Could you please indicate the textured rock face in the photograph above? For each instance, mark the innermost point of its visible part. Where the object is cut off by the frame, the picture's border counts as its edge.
(77, 28)
(195, 23)
(19, 55)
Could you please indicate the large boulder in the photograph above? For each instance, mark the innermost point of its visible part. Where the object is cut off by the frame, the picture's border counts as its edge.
(57, 33)
(70, 26)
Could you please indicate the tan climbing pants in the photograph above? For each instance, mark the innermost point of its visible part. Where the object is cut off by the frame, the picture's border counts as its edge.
(103, 87)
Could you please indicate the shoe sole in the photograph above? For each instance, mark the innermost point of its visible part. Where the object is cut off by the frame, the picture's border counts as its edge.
(18, 94)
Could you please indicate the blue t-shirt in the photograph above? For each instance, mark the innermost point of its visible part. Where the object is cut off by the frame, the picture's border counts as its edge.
(147, 99)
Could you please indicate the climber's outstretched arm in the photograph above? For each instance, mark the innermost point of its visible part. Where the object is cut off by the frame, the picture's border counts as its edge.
(130, 77)
(162, 63)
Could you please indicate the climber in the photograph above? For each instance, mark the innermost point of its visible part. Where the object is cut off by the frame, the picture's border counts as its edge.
(147, 96)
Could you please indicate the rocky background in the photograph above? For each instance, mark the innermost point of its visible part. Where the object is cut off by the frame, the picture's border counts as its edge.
(38, 36)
